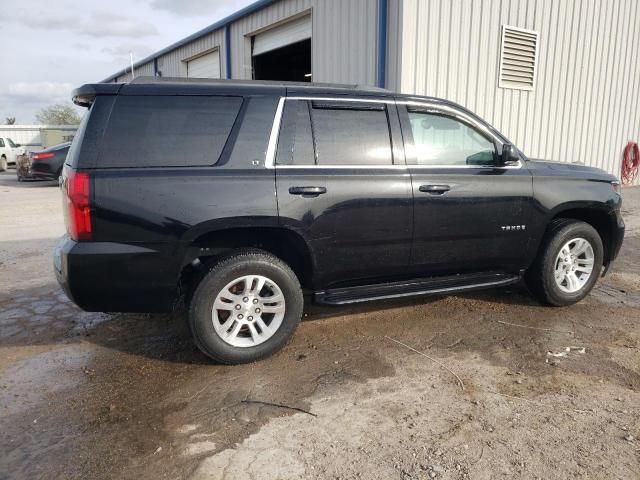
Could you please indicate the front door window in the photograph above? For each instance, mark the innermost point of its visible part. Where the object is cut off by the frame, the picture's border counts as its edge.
(445, 141)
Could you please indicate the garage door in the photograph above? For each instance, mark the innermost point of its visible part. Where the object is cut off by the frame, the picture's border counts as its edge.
(205, 66)
(286, 34)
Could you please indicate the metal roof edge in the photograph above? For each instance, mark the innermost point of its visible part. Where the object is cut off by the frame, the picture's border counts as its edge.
(248, 10)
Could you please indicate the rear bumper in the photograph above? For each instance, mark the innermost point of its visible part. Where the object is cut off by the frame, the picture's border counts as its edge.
(115, 277)
(44, 170)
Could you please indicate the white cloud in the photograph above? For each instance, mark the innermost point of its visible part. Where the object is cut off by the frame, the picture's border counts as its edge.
(97, 24)
(122, 51)
(217, 8)
(102, 24)
(40, 90)
(73, 43)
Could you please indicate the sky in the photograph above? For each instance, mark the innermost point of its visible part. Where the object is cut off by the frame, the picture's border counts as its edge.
(48, 48)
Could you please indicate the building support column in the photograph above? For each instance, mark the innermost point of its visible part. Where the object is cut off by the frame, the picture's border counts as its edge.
(382, 43)
(227, 51)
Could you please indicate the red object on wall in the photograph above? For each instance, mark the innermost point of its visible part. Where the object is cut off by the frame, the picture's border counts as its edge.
(630, 162)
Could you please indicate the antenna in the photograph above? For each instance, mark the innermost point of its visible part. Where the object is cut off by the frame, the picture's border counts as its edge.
(133, 75)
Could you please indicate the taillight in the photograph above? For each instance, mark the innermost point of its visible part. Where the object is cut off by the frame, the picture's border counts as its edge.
(78, 209)
(42, 156)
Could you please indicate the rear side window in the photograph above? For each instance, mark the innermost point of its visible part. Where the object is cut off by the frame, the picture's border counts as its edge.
(72, 156)
(351, 134)
(295, 143)
(1, 142)
(165, 131)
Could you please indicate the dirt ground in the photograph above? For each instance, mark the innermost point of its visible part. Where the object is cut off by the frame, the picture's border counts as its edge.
(87, 395)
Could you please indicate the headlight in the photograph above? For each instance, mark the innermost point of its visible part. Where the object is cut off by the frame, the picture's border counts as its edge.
(616, 187)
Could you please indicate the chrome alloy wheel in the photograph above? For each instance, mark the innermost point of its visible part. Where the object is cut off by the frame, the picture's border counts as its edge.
(574, 265)
(248, 311)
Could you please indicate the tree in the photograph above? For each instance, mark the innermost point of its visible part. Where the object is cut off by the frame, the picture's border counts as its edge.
(58, 114)
(10, 120)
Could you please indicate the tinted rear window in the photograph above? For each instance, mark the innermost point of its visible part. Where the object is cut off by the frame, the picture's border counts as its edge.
(164, 131)
(351, 136)
(295, 143)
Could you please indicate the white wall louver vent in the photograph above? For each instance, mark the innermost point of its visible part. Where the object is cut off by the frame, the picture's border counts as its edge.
(518, 58)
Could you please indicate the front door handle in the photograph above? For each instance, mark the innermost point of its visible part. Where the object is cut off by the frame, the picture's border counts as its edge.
(307, 190)
(435, 189)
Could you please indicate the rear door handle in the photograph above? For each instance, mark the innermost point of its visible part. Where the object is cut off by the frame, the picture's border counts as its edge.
(435, 189)
(307, 190)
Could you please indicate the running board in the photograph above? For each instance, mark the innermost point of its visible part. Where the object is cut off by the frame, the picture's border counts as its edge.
(410, 288)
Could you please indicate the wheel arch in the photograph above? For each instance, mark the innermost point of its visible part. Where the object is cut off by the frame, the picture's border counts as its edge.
(599, 216)
(286, 244)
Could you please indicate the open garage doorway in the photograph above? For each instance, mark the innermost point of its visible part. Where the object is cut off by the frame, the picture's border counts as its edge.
(283, 52)
(290, 63)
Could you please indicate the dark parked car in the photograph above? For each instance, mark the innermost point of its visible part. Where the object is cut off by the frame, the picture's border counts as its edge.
(239, 196)
(43, 165)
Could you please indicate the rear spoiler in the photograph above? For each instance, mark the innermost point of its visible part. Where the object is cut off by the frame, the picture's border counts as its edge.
(86, 94)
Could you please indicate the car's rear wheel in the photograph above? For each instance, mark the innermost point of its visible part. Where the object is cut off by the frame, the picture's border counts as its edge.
(3, 163)
(246, 307)
(568, 264)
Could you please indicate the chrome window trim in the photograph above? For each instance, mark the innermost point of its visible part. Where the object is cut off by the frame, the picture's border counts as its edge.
(332, 167)
(341, 99)
(447, 109)
(398, 167)
(275, 132)
(270, 156)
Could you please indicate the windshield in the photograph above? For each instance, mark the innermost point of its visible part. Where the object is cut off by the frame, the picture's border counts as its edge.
(10, 142)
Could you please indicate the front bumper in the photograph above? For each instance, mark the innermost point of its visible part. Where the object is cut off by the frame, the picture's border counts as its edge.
(115, 277)
(23, 166)
(617, 236)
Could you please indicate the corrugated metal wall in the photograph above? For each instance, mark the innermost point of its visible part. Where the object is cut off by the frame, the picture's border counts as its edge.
(142, 70)
(173, 64)
(343, 43)
(241, 29)
(585, 102)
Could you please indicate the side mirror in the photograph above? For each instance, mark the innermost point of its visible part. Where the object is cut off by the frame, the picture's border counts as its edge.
(509, 154)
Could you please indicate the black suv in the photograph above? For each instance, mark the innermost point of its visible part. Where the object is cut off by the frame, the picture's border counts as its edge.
(238, 196)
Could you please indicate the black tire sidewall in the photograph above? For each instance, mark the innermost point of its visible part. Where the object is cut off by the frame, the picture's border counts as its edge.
(573, 230)
(218, 277)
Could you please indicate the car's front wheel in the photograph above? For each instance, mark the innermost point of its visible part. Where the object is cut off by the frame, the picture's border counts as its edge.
(568, 264)
(246, 307)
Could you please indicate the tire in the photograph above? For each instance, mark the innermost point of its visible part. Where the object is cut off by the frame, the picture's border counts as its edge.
(242, 299)
(3, 163)
(566, 235)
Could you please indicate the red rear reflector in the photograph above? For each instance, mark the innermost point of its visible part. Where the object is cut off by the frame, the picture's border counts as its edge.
(79, 212)
(42, 156)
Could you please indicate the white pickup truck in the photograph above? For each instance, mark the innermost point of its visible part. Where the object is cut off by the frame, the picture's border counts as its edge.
(9, 152)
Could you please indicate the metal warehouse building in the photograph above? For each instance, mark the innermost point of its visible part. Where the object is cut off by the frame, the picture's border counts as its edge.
(560, 78)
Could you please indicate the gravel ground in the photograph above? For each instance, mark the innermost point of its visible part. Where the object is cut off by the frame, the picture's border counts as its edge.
(86, 395)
